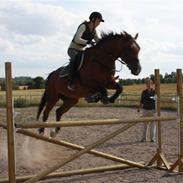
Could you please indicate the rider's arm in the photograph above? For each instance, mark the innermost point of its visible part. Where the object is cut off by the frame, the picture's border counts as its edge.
(96, 37)
(79, 33)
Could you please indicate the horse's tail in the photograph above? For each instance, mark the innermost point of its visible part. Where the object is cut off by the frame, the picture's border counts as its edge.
(41, 105)
(43, 99)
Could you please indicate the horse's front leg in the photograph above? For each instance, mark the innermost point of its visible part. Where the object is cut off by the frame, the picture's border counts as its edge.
(119, 89)
(103, 94)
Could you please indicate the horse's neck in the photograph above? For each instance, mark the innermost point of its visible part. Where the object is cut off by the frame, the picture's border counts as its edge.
(104, 58)
(104, 54)
(107, 52)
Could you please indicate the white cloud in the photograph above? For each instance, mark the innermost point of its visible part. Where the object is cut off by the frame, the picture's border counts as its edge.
(35, 34)
(25, 17)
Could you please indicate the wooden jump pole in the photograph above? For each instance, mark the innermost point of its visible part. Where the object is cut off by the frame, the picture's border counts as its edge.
(91, 122)
(159, 156)
(80, 153)
(74, 172)
(69, 145)
(127, 163)
(10, 124)
(179, 161)
(78, 147)
(158, 108)
(158, 111)
(180, 95)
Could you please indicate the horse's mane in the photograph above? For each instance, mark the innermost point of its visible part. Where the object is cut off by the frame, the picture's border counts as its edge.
(111, 35)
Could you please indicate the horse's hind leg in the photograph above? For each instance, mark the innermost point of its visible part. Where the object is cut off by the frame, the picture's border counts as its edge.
(67, 104)
(50, 104)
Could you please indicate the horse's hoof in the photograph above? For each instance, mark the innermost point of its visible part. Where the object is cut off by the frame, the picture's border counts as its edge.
(105, 100)
(40, 132)
(53, 134)
(57, 130)
(111, 100)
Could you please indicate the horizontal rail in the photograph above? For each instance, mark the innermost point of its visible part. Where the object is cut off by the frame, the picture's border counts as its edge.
(74, 172)
(91, 122)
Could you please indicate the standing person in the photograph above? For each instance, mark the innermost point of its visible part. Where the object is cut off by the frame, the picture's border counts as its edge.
(84, 35)
(147, 103)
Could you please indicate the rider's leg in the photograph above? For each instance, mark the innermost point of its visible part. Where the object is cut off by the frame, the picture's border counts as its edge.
(72, 68)
(71, 85)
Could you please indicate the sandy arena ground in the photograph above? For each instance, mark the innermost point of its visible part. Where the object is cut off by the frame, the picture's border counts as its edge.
(33, 156)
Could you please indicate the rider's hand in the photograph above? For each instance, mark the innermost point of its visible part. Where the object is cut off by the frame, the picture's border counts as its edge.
(91, 42)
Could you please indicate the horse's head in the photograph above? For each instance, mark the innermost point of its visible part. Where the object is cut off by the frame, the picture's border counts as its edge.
(130, 52)
(112, 46)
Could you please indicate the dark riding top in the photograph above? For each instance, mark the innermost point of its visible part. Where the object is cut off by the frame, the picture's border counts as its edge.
(146, 100)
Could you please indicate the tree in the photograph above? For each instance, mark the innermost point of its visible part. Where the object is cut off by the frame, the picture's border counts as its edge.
(39, 82)
(3, 85)
(31, 84)
(152, 77)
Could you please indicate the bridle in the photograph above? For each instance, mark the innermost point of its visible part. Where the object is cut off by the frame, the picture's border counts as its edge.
(122, 63)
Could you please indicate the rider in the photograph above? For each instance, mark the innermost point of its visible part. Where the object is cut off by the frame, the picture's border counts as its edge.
(84, 35)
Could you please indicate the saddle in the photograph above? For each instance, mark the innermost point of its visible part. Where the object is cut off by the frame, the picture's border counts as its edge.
(64, 71)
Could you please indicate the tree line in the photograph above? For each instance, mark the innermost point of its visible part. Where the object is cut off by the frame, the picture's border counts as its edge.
(167, 78)
(39, 82)
(25, 83)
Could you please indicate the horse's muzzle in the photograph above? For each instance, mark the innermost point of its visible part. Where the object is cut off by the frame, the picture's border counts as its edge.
(136, 68)
(137, 71)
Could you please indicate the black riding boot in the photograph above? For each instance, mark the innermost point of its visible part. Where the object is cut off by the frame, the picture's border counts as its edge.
(72, 70)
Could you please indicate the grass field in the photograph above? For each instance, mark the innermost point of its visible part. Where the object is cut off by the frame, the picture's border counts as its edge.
(132, 94)
(130, 97)
(164, 88)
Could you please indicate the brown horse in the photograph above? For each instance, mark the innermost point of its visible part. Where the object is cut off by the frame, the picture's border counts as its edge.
(95, 75)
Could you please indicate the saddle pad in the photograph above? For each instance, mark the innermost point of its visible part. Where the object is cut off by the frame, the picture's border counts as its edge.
(64, 71)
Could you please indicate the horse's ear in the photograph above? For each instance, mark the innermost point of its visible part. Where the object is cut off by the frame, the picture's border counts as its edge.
(136, 36)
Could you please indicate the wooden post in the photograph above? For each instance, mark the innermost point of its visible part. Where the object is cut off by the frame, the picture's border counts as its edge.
(159, 156)
(10, 124)
(157, 89)
(180, 95)
(179, 161)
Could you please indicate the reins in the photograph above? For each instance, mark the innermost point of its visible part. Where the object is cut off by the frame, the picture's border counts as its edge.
(109, 69)
(122, 63)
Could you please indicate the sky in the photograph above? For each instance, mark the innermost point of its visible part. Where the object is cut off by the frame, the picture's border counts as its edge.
(35, 34)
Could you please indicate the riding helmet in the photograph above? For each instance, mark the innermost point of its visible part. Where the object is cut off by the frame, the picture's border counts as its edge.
(95, 15)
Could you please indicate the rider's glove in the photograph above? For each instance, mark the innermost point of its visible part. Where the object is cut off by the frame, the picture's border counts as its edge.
(91, 42)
